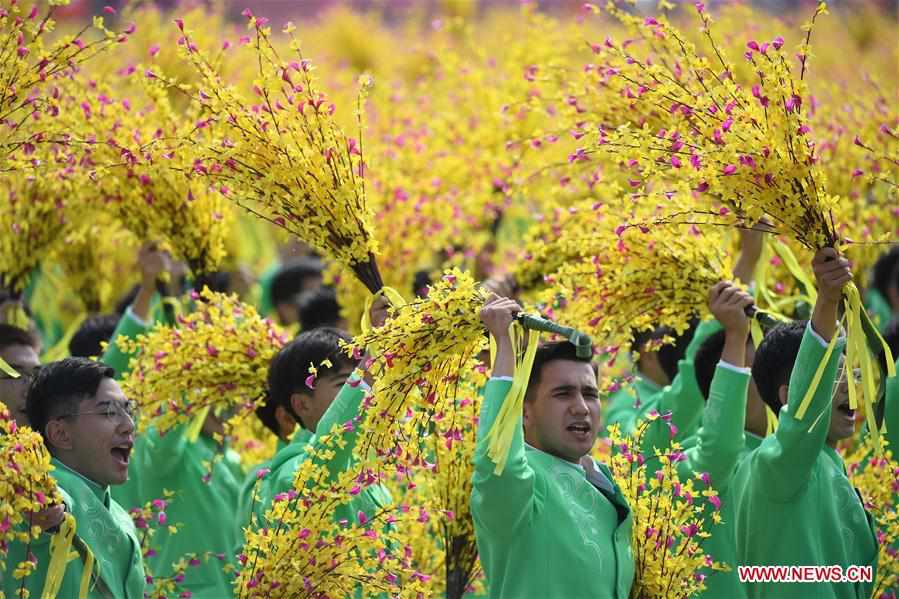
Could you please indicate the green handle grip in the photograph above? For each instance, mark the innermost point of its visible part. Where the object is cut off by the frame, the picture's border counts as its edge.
(582, 342)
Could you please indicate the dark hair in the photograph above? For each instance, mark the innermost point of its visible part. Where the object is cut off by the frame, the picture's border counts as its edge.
(58, 387)
(551, 352)
(11, 335)
(886, 272)
(88, 339)
(891, 336)
(420, 283)
(219, 281)
(706, 360)
(774, 360)
(318, 308)
(289, 280)
(670, 353)
(289, 368)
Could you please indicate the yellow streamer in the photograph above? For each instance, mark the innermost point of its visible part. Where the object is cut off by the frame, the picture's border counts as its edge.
(816, 380)
(85, 586)
(755, 330)
(772, 421)
(196, 425)
(393, 296)
(8, 370)
(61, 349)
(60, 543)
(499, 439)
(789, 259)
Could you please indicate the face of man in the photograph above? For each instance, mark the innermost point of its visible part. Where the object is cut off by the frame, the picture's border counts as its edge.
(561, 416)
(96, 441)
(312, 406)
(24, 360)
(842, 418)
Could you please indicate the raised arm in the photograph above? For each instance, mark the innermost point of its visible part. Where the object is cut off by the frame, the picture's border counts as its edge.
(787, 462)
(720, 438)
(500, 502)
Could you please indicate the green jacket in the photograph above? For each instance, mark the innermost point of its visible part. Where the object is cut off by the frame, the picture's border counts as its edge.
(344, 408)
(795, 505)
(682, 398)
(719, 446)
(205, 511)
(545, 527)
(103, 527)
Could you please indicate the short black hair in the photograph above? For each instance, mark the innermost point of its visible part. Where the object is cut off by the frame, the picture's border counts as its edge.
(706, 360)
(12, 335)
(886, 272)
(289, 368)
(551, 352)
(775, 358)
(218, 281)
(58, 387)
(87, 341)
(318, 308)
(670, 353)
(289, 280)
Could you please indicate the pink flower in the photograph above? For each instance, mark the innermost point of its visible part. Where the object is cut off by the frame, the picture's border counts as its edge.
(310, 381)
(803, 129)
(702, 187)
(22, 51)
(857, 172)
(363, 519)
(730, 169)
(161, 518)
(857, 141)
(793, 103)
(778, 42)
(700, 7)
(675, 162)
(180, 24)
(695, 161)
(715, 501)
(109, 10)
(752, 45)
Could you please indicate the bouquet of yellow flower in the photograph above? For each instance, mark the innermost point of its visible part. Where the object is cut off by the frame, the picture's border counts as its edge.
(649, 277)
(306, 554)
(416, 361)
(26, 487)
(748, 147)
(442, 537)
(877, 479)
(280, 153)
(668, 530)
(216, 358)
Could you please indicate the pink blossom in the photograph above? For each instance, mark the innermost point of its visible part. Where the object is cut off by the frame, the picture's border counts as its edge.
(730, 169)
(777, 42)
(109, 10)
(310, 381)
(675, 162)
(715, 501)
(858, 172)
(752, 45)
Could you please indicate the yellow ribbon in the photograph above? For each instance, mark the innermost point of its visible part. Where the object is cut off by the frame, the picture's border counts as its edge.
(85, 585)
(499, 439)
(393, 296)
(61, 349)
(816, 380)
(8, 370)
(60, 544)
(16, 316)
(196, 425)
(789, 260)
(755, 329)
(772, 421)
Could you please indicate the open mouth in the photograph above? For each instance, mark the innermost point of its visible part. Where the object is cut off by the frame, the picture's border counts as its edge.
(122, 453)
(579, 428)
(846, 410)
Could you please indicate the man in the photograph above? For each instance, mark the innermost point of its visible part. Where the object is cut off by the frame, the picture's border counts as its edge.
(334, 399)
(18, 348)
(795, 505)
(552, 524)
(719, 445)
(88, 427)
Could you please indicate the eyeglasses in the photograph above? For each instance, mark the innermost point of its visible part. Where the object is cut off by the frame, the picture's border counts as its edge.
(112, 411)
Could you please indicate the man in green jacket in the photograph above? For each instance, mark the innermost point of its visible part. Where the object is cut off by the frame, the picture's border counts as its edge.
(553, 523)
(795, 505)
(88, 428)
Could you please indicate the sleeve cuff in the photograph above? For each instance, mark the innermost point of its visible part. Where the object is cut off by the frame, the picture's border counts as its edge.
(130, 314)
(732, 367)
(501, 378)
(819, 338)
